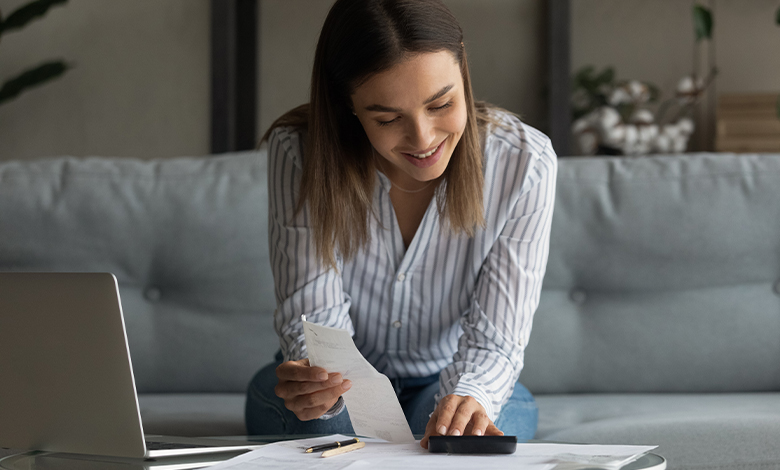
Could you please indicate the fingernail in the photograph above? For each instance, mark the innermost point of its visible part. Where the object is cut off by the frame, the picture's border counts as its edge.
(322, 376)
(336, 379)
(346, 385)
(478, 432)
(456, 433)
(442, 430)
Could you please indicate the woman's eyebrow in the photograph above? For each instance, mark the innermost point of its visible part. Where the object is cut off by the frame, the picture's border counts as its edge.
(386, 109)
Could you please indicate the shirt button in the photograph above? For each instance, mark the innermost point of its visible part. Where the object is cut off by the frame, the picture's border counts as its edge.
(396, 324)
(401, 277)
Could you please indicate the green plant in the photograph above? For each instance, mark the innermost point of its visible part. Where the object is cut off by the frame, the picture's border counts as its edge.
(40, 74)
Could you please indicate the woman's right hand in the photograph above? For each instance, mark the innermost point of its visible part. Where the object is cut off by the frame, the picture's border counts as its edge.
(309, 392)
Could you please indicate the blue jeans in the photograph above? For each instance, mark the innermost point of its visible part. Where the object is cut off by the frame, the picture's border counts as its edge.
(266, 414)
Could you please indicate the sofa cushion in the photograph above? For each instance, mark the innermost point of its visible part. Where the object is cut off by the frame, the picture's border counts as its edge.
(187, 241)
(693, 431)
(193, 414)
(663, 276)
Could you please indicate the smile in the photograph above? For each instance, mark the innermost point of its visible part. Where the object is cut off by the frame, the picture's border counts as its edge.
(427, 159)
(426, 155)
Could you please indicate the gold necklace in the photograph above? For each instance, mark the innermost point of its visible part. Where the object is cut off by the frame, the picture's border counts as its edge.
(412, 191)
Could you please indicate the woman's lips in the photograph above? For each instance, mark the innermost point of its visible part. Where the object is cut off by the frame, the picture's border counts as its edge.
(427, 161)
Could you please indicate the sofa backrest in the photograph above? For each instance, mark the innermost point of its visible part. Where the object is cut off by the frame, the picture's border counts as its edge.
(663, 271)
(663, 276)
(187, 241)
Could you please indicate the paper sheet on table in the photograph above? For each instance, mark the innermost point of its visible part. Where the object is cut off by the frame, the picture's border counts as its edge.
(387, 455)
(376, 454)
(372, 404)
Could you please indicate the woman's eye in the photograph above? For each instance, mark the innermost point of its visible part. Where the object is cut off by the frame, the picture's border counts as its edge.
(385, 123)
(444, 106)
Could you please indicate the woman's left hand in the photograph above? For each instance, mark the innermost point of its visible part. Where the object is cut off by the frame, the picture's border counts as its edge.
(459, 416)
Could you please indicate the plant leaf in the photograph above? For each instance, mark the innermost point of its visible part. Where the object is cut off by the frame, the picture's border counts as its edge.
(702, 22)
(30, 78)
(27, 13)
(607, 76)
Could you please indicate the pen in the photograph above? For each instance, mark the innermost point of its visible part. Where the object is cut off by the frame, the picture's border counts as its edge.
(332, 445)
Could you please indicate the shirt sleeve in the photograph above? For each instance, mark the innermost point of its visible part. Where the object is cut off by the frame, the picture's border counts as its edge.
(497, 324)
(303, 284)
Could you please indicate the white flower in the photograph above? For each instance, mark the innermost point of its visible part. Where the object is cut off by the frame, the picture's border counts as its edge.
(686, 126)
(615, 136)
(642, 116)
(607, 118)
(639, 91)
(671, 131)
(662, 143)
(632, 135)
(618, 97)
(688, 89)
(647, 133)
(580, 125)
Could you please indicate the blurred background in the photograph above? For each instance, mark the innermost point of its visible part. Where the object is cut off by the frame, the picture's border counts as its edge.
(140, 82)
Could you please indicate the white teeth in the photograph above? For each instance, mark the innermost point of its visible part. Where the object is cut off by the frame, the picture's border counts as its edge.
(425, 155)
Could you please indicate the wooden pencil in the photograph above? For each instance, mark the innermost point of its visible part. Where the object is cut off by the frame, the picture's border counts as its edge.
(344, 449)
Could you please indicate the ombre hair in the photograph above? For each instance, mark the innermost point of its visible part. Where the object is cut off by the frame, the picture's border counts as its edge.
(359, 39)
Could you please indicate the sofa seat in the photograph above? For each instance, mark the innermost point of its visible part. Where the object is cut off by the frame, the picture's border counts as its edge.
(193, 414)
(693, 431)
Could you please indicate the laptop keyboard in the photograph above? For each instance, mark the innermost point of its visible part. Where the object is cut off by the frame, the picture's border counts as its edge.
(155, 445)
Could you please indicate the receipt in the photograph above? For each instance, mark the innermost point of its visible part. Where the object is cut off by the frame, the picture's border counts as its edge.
(372, 404)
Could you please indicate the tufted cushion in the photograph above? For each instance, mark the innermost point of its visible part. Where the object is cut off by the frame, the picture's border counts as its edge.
(185, 237)
(692, 431)
(662, 277)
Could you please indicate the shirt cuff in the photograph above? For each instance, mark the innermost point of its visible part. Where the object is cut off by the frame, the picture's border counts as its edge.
(334, 410)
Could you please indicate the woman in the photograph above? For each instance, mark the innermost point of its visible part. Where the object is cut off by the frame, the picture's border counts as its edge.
(416, 219)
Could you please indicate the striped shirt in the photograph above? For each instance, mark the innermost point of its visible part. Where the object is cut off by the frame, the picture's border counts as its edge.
(449, 303)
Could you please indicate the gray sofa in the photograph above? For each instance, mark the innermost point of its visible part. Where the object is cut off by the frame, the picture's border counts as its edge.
(659, 321)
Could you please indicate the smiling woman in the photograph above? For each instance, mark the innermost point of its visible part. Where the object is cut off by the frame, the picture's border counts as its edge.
(412, 216)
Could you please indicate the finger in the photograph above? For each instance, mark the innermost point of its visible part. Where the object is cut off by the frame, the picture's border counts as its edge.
(446, 410)
(461, 418)
(492, 430)
(430, 430)
(479, 423)
(298, 371)
(290, 389)
(317, 399)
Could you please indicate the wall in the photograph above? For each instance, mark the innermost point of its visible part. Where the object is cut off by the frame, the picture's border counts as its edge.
(504, 40)
(140, 86)
(141, 82)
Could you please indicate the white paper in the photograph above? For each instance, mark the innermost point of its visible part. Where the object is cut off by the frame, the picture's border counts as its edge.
(377, 454)
(371, 401)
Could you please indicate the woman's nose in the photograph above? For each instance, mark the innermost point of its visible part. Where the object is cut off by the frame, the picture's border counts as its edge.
(421, 134)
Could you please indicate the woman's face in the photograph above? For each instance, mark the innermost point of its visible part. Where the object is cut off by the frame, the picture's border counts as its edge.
(414, 115)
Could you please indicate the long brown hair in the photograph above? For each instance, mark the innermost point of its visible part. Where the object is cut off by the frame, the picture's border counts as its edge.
(361, 38)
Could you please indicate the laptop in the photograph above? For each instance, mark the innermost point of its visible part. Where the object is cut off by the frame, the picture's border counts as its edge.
(66, 374)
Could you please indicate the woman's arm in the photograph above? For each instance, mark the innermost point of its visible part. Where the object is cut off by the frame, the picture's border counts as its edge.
(303, 285)
(497, 325)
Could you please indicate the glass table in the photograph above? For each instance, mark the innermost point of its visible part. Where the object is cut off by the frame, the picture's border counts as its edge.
(38, 460)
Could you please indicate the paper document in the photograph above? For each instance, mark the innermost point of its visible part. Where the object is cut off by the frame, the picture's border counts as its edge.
(379, 454)
(372, 404)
